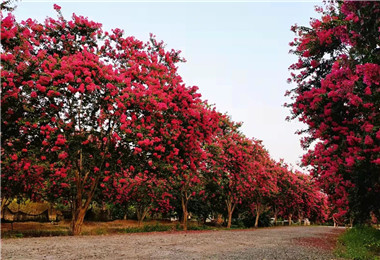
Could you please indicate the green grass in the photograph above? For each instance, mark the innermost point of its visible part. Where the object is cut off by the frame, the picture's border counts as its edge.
(34, 233)
(359, 243)
(147, 228)
(203, 227)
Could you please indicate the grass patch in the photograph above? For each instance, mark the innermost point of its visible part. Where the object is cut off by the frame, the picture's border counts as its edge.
(203, 227)
(101, 231)
(359, 243)
(147, 228)
(34, 233)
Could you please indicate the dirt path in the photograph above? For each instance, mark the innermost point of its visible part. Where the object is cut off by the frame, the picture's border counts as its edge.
(267, 243)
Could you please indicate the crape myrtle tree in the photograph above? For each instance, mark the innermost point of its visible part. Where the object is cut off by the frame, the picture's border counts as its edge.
(173, 123)
(228, 165)
(189, 162)
(279, 200)
(72, 108)
(311, 200)
(298, 196)
(337, 96)
(57, 107)
(260, 180)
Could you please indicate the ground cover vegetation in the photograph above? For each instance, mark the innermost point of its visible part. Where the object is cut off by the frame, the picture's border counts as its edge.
(359, 243)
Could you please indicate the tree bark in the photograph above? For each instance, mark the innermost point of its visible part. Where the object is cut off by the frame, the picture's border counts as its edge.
(290, 219)
(80, 208)
(77, 221)
(230, 211)
(4, 203)
(229, 219)
(300, 217)
(185, 213)
(141, 214)
(258, 211)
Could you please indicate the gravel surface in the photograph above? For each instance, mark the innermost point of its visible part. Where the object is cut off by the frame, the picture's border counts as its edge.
(266, 243)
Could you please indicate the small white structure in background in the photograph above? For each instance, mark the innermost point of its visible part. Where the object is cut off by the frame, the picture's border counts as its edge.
(306, 222)
(174, 218)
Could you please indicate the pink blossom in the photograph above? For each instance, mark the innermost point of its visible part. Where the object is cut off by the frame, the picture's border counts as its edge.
(368, 140)
(56, 7)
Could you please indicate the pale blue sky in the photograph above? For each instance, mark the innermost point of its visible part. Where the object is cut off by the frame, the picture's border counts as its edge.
(236, 52)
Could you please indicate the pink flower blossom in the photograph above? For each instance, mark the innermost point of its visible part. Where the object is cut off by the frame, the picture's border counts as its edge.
(56, 7)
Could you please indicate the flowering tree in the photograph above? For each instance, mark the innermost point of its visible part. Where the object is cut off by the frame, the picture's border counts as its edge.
(311, 201)
(337, 95)
(228, 164)
(76, 111)
(260, 180)
(55, 106)
(190, 161)
(298, 196)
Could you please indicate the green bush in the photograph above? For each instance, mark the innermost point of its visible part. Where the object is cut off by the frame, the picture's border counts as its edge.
(118, 211)
(247, 220)
(178, 226)
(359, 243)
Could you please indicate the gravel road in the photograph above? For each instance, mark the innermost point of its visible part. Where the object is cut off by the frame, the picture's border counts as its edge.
(296, 242)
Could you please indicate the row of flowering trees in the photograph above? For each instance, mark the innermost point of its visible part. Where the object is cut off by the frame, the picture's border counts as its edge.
(90, 115)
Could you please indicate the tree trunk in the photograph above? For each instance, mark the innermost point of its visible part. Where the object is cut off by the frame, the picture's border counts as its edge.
(80, 209)
(125, 212)
(141, 214)
(275, 217)
(229, 219)
(230, 211)
(4, 203)
(77, 221)
(300, 217)
(257, 219)
(185, 213)
(258, 211)
(351, 222)
(290, 219)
